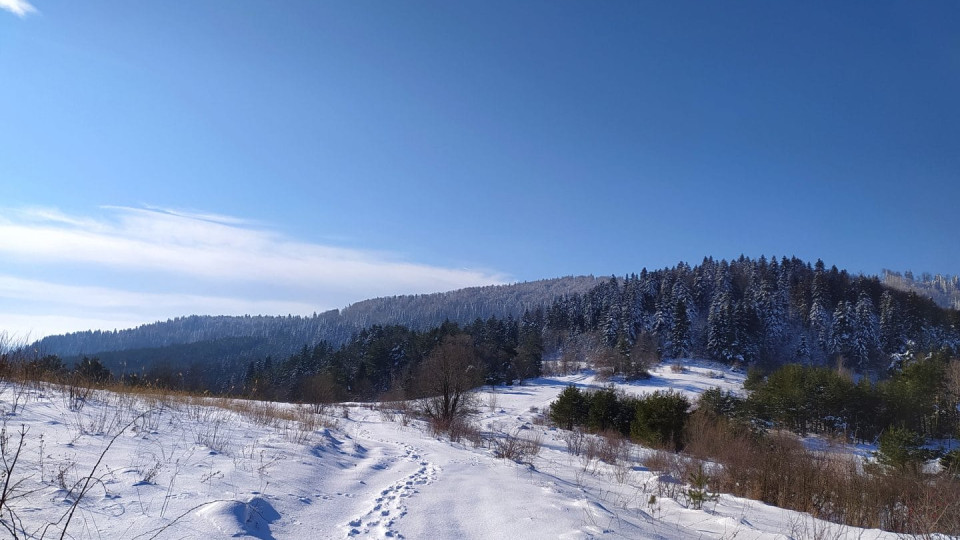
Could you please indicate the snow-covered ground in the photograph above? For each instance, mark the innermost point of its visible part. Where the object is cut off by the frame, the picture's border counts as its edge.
(178, 468)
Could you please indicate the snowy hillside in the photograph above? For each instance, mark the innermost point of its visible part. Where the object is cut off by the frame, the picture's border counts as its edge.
(139, 467)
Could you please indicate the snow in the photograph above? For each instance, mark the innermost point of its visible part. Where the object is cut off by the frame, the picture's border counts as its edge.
(189, 468)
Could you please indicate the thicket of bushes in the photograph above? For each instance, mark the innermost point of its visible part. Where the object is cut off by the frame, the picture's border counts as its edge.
(754, 440)
(922, 396)
(657, 419)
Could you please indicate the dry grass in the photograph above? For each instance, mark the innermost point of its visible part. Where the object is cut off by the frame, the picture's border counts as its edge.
(777, 469)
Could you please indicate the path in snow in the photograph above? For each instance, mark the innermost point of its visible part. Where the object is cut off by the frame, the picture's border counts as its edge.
(390, 504)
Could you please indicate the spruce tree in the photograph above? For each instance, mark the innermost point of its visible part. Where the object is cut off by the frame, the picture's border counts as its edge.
(866, 340)
(891, 333)
(680, 334)
(843, 331)
(720, 330)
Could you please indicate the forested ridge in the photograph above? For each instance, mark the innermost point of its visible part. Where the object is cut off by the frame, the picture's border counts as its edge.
(752, 312)
(285, 334)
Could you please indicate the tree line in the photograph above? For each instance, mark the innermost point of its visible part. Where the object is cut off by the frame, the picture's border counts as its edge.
(757, 312)
(760, 312)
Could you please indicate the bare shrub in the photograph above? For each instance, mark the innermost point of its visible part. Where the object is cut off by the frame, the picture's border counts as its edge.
(712, 437)
(605, 362)
(319, 391)
(613, 448)
(79, 391)
(659, 461)
(213, 435)
(574, 440)
(62, 470)
(668, 463)
(470, 432)
(516, 447)
(456, 429)
(396, 411)
(148, 471)
(11, 489)
(777, 469)
(493, 402)
(591, 449)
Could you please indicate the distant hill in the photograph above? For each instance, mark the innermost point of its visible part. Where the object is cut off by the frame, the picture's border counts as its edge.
(281, 335)
(745, 311)
(944, 290)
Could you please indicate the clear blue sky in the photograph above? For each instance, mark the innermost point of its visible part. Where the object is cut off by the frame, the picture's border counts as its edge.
(253, 156)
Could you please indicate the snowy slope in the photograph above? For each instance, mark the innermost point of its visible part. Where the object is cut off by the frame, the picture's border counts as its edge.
(187, 468)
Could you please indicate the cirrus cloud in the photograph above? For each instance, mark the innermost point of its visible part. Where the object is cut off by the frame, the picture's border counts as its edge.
(174, 263)
(20, 8)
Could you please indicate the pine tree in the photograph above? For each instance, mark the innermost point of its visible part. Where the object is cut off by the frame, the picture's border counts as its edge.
(866, 340)
(891, 329)
(843, 331)
(820, 307)
(720, 330)
(663, 325)
(529, 360)
(747, 328)
(680, 334)
(611, 328)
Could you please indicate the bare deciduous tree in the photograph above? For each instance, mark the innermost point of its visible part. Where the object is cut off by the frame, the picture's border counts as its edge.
(446, 377)
(320, 390)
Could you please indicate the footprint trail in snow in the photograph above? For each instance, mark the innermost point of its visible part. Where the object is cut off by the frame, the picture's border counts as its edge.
(389, 506)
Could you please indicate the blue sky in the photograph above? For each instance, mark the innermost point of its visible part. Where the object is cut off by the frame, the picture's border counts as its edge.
(159, 159)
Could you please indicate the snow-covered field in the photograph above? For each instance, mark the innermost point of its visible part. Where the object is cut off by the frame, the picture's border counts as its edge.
(178, 468)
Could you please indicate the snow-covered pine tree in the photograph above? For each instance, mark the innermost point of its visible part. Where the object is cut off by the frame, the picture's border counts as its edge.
(843, 331)
(680, 333)
(866, 339)
(720, 330)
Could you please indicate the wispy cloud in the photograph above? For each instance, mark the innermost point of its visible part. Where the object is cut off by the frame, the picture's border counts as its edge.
(192, 262)
(20, 8)
(94, 298)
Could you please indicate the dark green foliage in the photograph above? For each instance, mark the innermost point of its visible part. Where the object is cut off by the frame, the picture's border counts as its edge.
(659, 419)
(901, 449)
(719, 403)
(216, 366)
(754, 311)
(570, 408)
(821, 400)
(699, 491)
(755, 378)
(48, 364)
(917, 398)
(528, 363)
(92, 370)
(804, 398)
(721, 334)
(951, 462)
(608, 410)
(496, 344)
